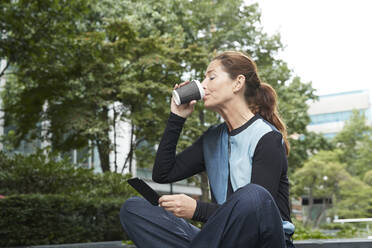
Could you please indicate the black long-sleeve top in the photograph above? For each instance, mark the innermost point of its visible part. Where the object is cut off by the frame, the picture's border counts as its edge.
(269, 165)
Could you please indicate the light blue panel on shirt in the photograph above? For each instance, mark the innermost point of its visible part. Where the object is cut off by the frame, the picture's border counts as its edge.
(243, 146)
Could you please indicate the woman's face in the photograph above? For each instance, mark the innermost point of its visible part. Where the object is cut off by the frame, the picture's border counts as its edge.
(218, 86)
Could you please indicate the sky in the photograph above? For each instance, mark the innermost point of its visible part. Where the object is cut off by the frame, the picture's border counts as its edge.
(327, 42)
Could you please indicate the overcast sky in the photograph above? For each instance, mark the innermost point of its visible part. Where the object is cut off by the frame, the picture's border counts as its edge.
(328, 42)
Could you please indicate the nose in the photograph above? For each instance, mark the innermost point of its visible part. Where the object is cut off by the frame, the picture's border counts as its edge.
(204, 83)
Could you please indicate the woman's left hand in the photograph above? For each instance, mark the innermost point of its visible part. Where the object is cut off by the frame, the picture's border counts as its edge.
(181, 205)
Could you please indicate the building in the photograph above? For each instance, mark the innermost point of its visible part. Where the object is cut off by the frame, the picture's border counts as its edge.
(329, 113)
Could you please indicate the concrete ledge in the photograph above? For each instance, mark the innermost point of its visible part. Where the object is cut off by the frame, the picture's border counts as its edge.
(109, 244)
(333, 243)
(318, 243)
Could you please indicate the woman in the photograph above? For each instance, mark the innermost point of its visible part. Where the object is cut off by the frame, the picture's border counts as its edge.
(246, 161)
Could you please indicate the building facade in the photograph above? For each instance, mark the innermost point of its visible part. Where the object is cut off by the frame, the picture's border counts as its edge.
(329, 113)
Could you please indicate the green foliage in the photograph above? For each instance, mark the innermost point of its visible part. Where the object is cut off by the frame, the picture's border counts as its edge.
(34, 31)
(363, 162)
(303, 233)
(41, 174)
(51, 202)
(345, 230)
(36, 219)
(132, 53)
(321, 175)
(146, 155)
(303, 147)
(355, 142)
(368, 178)
(335, 230)
(354, 200)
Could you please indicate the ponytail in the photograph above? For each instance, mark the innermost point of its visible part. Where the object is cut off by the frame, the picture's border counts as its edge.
(265, 104)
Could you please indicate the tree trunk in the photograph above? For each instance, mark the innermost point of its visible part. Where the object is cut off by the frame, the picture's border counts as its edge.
(115, 145)
(131, 149)
(104, 155)
(311, 201)
(321, 214)
(104, 143)
(5, 68)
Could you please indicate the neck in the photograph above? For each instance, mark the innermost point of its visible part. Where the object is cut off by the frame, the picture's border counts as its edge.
(235, 114)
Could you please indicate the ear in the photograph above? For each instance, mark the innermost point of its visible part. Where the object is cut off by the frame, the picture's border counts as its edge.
(239, 83)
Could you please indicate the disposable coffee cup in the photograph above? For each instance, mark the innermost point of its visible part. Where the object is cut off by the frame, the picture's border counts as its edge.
(191, 91)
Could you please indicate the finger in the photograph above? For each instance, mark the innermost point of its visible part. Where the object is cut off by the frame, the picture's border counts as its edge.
(175, 211)
(184, 83)
(175, 86)
(170, 209)
(167, 204)
(193, 102)
(165, 198)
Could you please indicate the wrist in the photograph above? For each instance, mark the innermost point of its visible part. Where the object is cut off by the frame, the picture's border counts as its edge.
(175, 114)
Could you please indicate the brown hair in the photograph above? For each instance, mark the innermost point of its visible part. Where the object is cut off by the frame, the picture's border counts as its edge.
(261, 97)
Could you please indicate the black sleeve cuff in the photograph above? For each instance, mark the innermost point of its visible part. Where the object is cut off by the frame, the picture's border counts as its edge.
(175, 117)
(204, 210)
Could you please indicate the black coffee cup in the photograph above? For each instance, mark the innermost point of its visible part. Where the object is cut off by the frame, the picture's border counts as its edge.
(191, 91)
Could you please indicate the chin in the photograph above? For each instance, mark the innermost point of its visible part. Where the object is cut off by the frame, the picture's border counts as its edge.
(208, 106)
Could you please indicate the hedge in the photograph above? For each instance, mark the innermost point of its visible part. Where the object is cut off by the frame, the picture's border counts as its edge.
(51, 201)
(39, 174)
(58, 219)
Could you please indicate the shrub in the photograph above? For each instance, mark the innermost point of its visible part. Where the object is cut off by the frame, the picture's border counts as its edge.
(346, 230)
(56, 219)
(303, 233)
(38, 174)
(368, 178)
(50, 201)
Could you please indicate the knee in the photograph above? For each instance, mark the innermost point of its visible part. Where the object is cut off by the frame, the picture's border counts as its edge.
(252, 195)
(129, 205)
(252, 190)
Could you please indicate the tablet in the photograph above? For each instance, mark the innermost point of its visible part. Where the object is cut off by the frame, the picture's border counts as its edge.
(145, 190)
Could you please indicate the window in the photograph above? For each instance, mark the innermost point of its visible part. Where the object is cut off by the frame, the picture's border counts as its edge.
(334, 117)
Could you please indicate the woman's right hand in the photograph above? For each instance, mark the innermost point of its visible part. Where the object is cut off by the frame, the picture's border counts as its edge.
(183, 110)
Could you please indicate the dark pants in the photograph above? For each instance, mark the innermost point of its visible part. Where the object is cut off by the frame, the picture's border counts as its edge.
(249, 218)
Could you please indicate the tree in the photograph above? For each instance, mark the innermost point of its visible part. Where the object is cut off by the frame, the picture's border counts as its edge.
(132, 53)
(319, 178)
(355, 141)
(363, 162)
(303, 147)
(105, 63)
(32, 31)
(368, 178)
(324, 176)
(354, 200)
